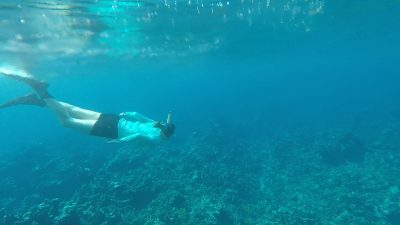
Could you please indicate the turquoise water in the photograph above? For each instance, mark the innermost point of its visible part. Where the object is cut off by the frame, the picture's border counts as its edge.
(286, 112)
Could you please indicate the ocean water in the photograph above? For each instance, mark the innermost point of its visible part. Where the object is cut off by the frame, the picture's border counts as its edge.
(286, 112)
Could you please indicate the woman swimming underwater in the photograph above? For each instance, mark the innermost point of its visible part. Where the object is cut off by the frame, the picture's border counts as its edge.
(123, 127)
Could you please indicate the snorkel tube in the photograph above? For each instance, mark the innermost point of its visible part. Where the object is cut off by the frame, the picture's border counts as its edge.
(168, 128)
(169, 118)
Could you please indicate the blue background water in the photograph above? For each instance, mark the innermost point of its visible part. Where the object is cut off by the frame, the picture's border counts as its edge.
(252, 69)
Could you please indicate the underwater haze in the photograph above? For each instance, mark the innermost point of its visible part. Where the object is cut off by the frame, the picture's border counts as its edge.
(286, 112)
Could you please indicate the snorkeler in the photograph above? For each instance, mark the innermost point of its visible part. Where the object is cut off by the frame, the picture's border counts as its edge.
(123, 127)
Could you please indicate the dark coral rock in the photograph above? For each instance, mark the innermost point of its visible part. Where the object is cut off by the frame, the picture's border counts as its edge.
(393, 218)
(6, 219)
(68, 216)
(224, 218)
(348, 148)
(143, 197)
(179, 201)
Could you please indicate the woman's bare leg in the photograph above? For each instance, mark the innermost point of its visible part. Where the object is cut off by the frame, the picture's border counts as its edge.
(69, 115)
(80, 113)
(73, 117)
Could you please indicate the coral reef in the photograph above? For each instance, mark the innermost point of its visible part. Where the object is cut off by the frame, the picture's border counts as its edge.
(299, 177)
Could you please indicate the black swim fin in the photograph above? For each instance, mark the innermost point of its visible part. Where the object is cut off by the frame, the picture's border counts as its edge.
(28, 99)
(39, 86)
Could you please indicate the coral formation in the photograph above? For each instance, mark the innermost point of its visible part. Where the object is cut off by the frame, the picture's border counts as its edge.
(213, 179)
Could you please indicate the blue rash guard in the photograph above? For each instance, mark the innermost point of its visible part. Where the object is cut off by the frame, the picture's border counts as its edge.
(133, 125)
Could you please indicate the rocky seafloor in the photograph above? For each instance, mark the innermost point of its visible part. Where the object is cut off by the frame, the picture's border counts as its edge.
(318, 176)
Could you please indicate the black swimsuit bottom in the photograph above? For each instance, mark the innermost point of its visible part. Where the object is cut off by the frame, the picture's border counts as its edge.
(106, 126)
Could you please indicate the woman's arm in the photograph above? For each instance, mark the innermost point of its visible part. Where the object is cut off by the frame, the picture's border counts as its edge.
(151, 138)
(135, 116)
